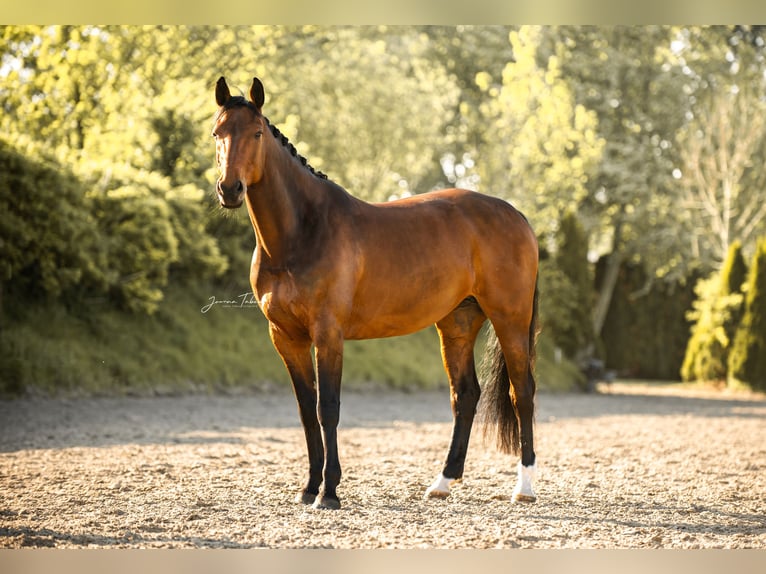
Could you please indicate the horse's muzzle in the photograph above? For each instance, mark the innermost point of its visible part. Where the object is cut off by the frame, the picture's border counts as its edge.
(231, 196)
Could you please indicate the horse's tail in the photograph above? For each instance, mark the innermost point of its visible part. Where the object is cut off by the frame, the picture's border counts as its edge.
(499, 411)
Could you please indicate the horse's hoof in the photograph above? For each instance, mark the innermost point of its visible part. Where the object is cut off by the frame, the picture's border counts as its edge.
(440, 487)
(326, 503)
(440, 494)
(521, 497)
(305, 497)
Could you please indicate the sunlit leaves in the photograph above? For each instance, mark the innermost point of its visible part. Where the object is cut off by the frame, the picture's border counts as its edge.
(372, 110)
(540, 147)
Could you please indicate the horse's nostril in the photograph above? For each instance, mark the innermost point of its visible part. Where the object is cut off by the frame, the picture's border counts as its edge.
(236, 188)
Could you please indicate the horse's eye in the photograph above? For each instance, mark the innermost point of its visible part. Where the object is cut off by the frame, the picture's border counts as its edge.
(258, 134)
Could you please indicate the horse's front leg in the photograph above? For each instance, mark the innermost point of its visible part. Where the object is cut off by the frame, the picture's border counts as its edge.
(329, 365)
(296, 354)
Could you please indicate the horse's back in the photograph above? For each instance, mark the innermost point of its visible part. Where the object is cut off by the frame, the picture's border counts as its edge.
(485, 229)
(419, 257)
(453, 206)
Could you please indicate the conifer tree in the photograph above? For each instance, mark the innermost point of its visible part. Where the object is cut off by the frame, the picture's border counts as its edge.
(747, 360)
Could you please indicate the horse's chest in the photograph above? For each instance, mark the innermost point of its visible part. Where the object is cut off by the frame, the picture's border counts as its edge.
(280, 299)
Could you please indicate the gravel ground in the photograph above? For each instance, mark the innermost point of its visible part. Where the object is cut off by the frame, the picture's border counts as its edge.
(633, 466)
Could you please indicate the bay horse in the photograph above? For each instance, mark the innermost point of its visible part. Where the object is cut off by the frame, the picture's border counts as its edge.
(329, 267)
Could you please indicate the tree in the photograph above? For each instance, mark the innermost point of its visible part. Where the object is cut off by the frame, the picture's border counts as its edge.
(539, 147)
(567, 284)
(747, 360)
(372, 111)
(475, 56)
(621, 75)
(722, 175)
(152, 232)
(722, 138)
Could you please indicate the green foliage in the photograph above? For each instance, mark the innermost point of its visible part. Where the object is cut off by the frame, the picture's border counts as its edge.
(718, 150)
(150, 232)
(646, 328)
(409, 362)
(734, 270)
(175, 134)
(567, 285)
(100, 349)
(716, 314)
(199, 254)
(553, 372)
(122, 240)
(540, 147)
(376, 127)
(140, 243)
(708, 347)
(47, 234)
(747, 360)
(233, 234)
(624, 76)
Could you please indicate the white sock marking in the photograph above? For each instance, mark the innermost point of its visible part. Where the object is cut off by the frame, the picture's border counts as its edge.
(440, 487)
(526, 476)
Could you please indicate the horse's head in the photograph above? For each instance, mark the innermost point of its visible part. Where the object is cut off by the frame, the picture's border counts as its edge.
(238, 130)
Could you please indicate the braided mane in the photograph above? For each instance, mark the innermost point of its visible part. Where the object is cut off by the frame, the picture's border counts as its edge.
(240, 101)
(291, 148)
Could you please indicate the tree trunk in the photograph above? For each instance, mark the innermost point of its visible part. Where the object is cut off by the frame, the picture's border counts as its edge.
(613, 263)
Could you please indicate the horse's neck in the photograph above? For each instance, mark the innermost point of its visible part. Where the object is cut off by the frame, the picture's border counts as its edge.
(276, 206)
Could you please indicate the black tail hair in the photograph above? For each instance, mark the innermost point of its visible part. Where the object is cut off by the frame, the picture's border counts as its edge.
(498, 410)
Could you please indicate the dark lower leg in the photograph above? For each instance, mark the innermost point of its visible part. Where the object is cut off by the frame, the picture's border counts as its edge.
(457, 332)
(524, 399)
(329, 367)
(466, 396)
(307, 407)
(329, 416)
(297, 358)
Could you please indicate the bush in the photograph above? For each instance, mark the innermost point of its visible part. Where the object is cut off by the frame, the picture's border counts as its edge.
(716, 314)
(199, 255)
(123, 239)
(48, 235)
(140, 245)
(747, 360)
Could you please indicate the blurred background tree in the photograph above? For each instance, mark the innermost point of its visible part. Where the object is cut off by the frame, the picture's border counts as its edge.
(716, 315)
(747, 358)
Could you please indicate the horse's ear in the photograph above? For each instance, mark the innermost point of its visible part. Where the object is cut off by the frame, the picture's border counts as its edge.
(222, 93)
(256, 93)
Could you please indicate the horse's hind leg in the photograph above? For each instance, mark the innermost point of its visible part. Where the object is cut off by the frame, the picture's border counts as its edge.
(516, 351)
(457, 332)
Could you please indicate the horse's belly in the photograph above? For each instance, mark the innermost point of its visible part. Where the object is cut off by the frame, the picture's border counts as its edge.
(381, 327)
(400, 311)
